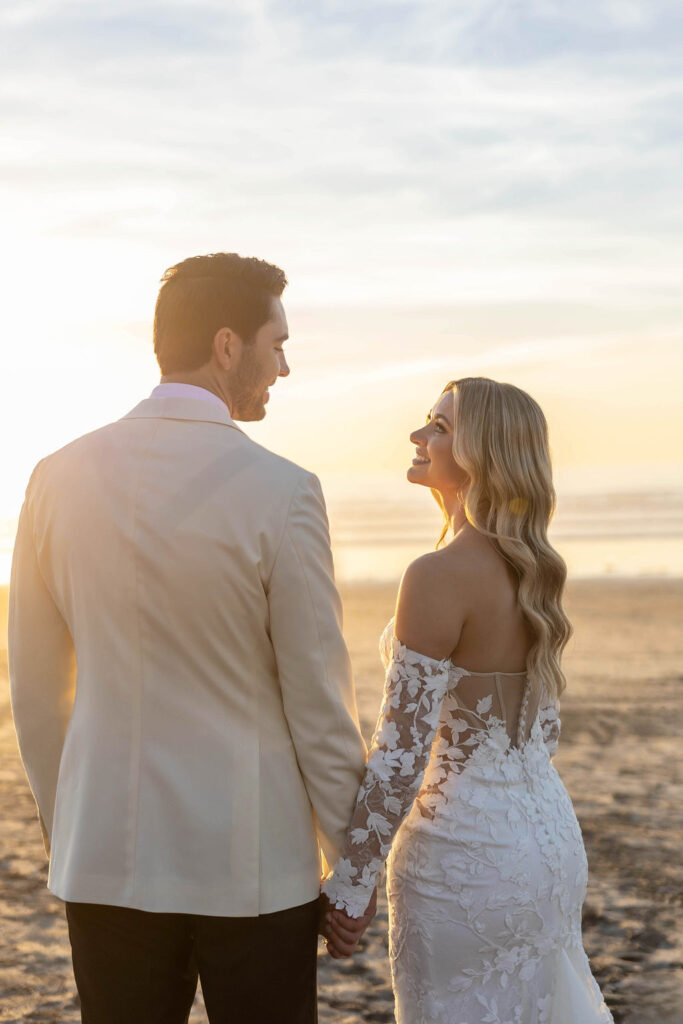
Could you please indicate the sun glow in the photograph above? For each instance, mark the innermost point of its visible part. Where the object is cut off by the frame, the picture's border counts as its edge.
(437, 215)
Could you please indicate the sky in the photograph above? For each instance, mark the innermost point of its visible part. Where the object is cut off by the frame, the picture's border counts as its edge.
(452, 188)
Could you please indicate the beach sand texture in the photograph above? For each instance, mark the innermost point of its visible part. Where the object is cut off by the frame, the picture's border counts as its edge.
(620, 760)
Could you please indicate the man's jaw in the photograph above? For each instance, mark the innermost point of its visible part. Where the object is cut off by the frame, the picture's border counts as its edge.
(253, 408)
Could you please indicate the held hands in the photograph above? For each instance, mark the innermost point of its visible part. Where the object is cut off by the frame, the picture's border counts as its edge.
(341, 931)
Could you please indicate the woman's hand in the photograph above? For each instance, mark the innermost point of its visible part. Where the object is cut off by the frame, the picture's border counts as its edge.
(342, 932)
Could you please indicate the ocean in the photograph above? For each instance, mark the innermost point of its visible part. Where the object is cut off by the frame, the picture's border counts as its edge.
(376, 532)
(612, 534)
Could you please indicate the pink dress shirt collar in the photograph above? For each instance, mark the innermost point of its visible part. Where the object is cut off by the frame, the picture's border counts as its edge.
(188, 391)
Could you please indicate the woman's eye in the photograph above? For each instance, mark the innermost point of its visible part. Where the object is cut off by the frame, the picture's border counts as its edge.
(437, 426)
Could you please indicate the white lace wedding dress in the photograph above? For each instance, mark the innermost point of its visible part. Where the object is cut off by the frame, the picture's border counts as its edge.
(487, 870)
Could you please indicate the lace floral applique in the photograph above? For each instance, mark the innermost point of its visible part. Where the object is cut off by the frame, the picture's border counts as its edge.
(549, 718)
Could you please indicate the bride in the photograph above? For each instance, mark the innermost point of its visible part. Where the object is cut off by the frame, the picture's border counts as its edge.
(486, 870)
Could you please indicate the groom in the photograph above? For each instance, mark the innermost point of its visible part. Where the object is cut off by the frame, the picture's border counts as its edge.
(181, 690)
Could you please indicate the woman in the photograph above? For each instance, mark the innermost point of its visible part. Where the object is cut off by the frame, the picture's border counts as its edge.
(487, 870)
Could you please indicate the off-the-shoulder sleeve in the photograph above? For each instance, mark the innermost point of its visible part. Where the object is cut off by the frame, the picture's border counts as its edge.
(549, 718)
(413, 694)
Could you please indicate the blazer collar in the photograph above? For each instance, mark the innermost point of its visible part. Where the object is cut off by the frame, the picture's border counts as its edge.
(182, 409)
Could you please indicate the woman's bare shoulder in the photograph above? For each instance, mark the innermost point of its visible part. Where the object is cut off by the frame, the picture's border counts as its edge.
(472, 552)
(431, 606)
(441, 574)
(441, 590)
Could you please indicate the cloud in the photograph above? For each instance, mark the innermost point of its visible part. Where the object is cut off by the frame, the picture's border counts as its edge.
(396, 150)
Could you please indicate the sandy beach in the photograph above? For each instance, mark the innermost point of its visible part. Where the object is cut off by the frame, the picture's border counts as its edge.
(619, 758)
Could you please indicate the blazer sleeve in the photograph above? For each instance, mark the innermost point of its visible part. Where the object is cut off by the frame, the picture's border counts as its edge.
(314, 666)
(42, 668)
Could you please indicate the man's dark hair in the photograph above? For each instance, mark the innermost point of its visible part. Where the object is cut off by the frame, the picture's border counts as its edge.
(204, 293)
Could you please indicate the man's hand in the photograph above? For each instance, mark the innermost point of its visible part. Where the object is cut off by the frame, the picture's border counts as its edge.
(341, 931)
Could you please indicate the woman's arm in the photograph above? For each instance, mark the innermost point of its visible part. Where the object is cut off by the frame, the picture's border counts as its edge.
(415, 686)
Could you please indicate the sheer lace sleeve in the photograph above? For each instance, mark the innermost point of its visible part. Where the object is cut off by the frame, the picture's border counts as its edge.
(549, 717)
(413, 694)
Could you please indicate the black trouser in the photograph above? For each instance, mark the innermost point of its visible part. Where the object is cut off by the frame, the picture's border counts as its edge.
(134, 967)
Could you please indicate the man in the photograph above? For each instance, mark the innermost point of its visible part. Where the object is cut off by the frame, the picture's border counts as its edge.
(208, 741)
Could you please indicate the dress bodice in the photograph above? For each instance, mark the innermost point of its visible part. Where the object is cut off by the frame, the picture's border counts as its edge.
(506, 697)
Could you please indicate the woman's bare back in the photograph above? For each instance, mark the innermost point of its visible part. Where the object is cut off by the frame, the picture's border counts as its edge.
(466, 594)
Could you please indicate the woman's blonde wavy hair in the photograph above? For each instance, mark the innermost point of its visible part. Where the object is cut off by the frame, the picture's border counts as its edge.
(500, 440)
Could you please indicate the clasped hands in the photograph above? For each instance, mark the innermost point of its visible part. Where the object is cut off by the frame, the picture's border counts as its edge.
(342, 932)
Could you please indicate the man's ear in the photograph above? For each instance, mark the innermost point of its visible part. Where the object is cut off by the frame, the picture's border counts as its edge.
(227, 348)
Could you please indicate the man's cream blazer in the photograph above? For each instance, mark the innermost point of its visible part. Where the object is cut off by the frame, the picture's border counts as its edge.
(181, 690)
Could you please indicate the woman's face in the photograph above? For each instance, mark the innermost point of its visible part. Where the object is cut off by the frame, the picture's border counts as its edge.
(434, 465)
